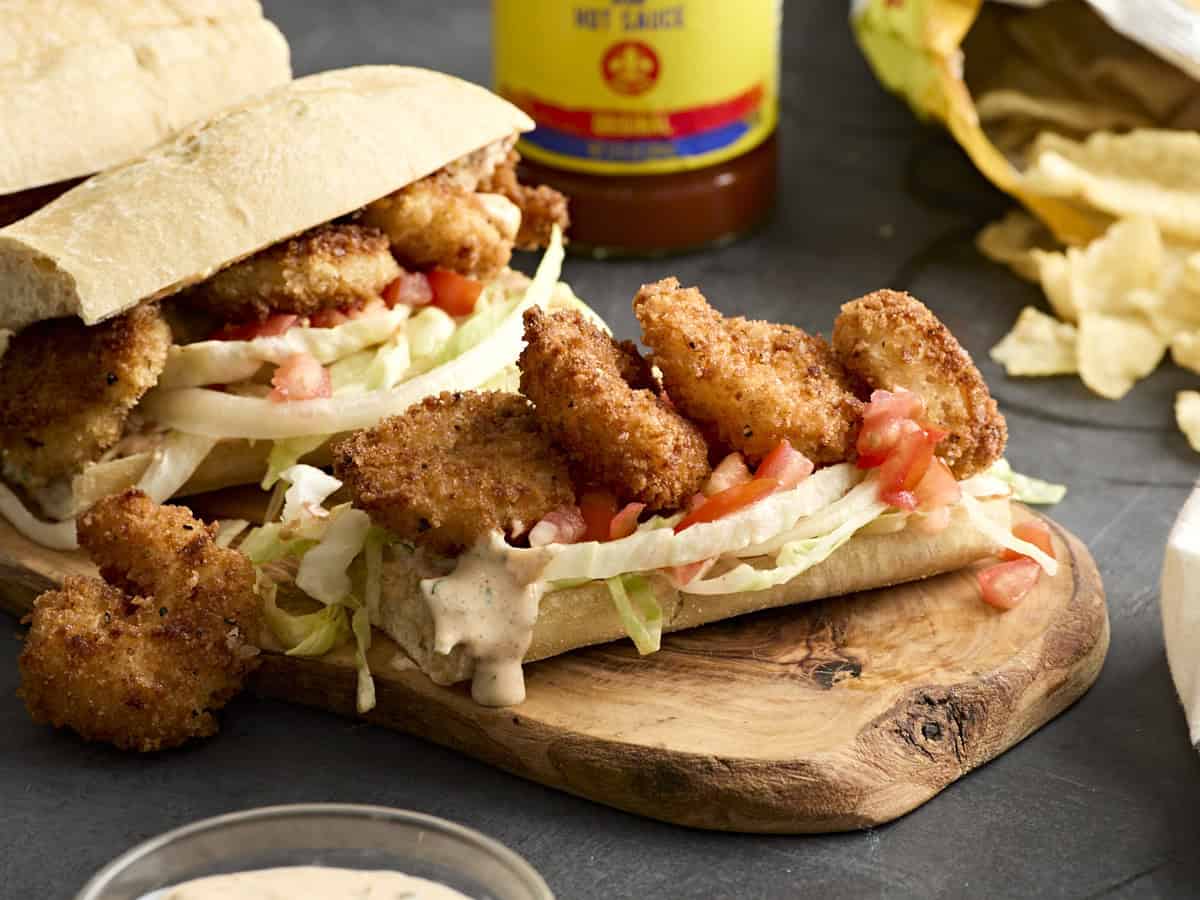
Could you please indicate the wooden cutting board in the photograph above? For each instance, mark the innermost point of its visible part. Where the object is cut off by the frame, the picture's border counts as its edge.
(830, 716)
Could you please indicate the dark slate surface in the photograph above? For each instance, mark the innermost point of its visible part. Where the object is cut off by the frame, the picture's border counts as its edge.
(1103, 802)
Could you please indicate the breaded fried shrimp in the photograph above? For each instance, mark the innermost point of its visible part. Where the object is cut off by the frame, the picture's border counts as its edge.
(541, 207)
(66, 390)
(436, 222)
(596, 399)
(754, 383)
(453, 468)
(144, 658)
(328, 267)
(891, 340)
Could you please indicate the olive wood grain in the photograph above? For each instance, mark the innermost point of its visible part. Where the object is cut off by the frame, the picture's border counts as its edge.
(830, 716)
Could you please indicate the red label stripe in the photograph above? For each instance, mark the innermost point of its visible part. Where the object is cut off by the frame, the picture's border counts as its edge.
(624, 125)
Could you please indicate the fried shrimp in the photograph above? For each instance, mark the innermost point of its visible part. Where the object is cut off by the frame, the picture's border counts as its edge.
(891, 340)
(437, 222)
(453, 468)
(144, 658)
(598, 401)
(66, 390)
(328, 267)
(753, 383)
(541, 207)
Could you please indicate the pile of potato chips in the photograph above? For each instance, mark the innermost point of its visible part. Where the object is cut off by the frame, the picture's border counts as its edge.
(1094, 125)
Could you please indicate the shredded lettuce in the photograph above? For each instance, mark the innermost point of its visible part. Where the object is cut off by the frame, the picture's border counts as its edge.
(373, 562)
(224, 362)
(228, 531)
(268, 543)
(287, 453)
(308, 488)
(1025, 488)
(361, 626)
(173, 463)
(1003, 536)
(54, 535)
(660, 548)
(219, 414)
(639, 611)
(862, 496)
(323, 572)
(793, 559)
(428, 333)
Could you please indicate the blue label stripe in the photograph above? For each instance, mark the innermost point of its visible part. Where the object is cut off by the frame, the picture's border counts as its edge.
(636, 150)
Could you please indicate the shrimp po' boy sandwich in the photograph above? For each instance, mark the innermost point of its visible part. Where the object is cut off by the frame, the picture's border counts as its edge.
(305, 265)
(741, 465)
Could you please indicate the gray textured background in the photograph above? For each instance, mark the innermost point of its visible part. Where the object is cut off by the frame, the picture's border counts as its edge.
(1103, 802)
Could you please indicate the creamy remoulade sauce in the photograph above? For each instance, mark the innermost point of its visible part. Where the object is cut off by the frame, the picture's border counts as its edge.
(489, 605)
(311, 883)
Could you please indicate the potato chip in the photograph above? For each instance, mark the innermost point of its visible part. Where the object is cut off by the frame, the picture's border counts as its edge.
(1012, 240)
(1146, 173)
(1185, 350)
(1187, 416)
(1038, 345)
(1115, 352)
(1114, 273)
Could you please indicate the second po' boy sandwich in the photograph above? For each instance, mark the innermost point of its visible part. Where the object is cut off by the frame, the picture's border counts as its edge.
(302, 266)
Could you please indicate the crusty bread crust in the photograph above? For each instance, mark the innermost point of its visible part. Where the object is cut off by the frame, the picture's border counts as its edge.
(584, 615)
(89, 85)
(306, 153)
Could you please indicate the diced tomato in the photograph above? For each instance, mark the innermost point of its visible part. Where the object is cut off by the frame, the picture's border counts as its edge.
(272, 326)
(560, 526)
(454, 293)
(906, 465)
(1006, 584)
(625, 522)
(883, 424)
(683, 575)
(328, 318)
(730, 472)
(786, 465)
(300, 377)
(411, 289)
(1036, 532)
(598, 508)
(729, 501)
(938, 489)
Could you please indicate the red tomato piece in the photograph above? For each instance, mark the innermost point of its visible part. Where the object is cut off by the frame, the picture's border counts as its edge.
(300, 377)
(272, 326)
(938, 489)
(907, 464)
(729, 501)
(411, 289)
(456, 294)
(684, 575)
(328, 318)
(1036, 532)
(730, 472)
(786, 465)
(598, 509)
(625, 522)
(883, 424)
(559, 526)
(1006, 584)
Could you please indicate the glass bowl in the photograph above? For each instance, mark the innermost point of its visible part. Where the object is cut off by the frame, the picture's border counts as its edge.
(323, 834)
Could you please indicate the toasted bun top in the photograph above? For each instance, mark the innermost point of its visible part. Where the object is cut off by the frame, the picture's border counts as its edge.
(318, 148)
(88, 84)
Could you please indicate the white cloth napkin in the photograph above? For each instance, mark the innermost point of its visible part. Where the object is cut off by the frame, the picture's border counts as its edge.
(1181, 609)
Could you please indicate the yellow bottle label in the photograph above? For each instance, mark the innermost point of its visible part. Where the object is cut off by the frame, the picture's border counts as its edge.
(639, 87)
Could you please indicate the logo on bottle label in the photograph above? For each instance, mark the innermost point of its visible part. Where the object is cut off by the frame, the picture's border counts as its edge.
(640, 86)
(630, 67)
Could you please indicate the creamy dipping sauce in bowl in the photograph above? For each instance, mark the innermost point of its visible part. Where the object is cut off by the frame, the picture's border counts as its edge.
(312, 883)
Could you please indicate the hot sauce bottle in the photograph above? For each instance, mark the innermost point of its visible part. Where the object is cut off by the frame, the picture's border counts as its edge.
(655, 117)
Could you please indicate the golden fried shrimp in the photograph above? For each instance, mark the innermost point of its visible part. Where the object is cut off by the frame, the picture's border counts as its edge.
(66, 390)
(454, 467)
(438, 222)
(541, 207)
(753, 383)
(326, 268)
(597, 399)
(891, 340)
(144, 658)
